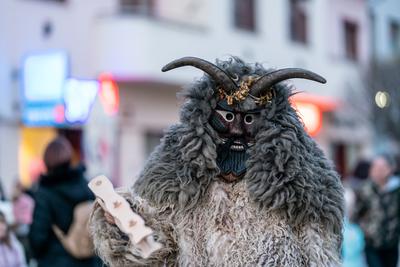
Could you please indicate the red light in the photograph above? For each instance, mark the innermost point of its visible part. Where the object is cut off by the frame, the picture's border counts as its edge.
(109, 93)
(311, 107)
(311, 115)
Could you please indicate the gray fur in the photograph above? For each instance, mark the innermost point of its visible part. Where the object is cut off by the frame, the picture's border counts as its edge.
(287, 172)
(288, 178)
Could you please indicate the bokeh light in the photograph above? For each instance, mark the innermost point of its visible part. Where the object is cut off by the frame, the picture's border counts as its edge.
(382, 99)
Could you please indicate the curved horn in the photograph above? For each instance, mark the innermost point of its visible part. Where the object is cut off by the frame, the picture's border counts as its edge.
(268, 80)
(218, 75)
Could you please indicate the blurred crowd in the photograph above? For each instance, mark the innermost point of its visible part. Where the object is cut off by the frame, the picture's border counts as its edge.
(46, 225)
(372, 223)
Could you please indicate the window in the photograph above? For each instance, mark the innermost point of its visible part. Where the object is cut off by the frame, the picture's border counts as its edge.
(339, 158)
(244, 15)
(395, 36)
(152, 140)
(351, 40)
(298, 21)
(144, 7)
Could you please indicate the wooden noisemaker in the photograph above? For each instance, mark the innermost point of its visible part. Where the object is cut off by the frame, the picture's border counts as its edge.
(126, 220)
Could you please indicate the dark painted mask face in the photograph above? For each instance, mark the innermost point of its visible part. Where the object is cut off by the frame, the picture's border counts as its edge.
(238, 122)
(236, 129)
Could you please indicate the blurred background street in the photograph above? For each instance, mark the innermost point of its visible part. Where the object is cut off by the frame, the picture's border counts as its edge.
(90, 70)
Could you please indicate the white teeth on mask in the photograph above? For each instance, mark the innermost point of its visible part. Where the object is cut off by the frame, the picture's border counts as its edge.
(237, 147)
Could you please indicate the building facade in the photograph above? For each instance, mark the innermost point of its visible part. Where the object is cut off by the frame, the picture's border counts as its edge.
(29, 27)
(385, 29)
(329, 37)
(133, 39)
(384, 78)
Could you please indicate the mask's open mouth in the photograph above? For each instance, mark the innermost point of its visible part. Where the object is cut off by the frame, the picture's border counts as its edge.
(232, 157)
(237, 146)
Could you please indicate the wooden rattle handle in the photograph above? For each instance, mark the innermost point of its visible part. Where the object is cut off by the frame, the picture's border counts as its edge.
(127, 221)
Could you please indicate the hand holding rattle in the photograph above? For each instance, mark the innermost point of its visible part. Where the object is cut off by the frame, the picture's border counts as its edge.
(127, 221)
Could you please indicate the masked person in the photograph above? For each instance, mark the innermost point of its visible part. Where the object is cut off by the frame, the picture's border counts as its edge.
(238, 182)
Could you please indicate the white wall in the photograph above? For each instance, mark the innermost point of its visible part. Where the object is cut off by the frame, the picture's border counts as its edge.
(384, 12)
(136, 46)
(72, 29)
(354, 11)
(9, 137)
(98, 39)
(5, 66)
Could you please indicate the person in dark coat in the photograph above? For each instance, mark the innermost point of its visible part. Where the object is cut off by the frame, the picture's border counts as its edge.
(59, 191)
(377, 211)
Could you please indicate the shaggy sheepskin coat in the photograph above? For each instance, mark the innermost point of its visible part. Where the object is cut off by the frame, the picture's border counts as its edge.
(286, 211)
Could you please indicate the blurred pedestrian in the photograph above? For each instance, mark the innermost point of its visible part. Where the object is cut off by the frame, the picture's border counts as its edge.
(359, 174)
(378, 213)
(353, 237)
(22, 209)
(11, 251)
(60, 190)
